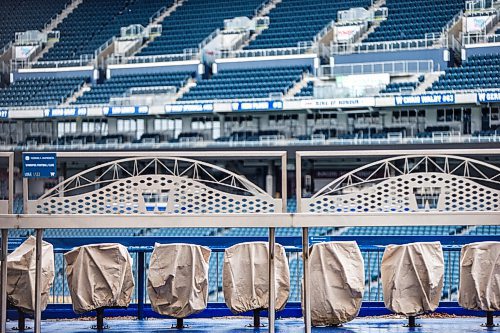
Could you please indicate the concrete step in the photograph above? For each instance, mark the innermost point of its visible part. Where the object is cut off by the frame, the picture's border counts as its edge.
(430, 78)
(86, 87)
(159, 20)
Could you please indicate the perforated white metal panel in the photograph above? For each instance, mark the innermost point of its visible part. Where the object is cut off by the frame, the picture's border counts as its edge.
(173, 189)
(410, 184)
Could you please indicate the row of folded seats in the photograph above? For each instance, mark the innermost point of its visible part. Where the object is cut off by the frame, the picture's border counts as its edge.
(246, 83)
(40, 91)
(294, 21)
(23, 15)
(402, 23)
(94, 22)
(397, 87)
(119, 84)
(412, 276)
(194, 21)
(307, 91)
(478, 71)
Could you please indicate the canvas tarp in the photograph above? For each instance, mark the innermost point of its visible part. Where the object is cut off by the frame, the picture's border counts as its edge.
(412, 277)
(178, 279)
(21, 270)
(99, 275)
(337, 281)
(480, 276)
(246, 277)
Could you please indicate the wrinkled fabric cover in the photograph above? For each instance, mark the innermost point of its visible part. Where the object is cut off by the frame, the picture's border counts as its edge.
(245, 277)
(337, 280)
(480, 276)
(99, 275)
(178, 279)
(412, 277)
(21, 271)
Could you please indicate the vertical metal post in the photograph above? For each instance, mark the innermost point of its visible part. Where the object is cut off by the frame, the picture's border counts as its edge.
(298, 181)
(179, 323)
(38, 281)
(11, 185)
(306, 287)
(3, 284)
(140, 285)
(100, 319)
(21, 321)
(489, 319)
(272, 284)
(25, 196)
(256, 318)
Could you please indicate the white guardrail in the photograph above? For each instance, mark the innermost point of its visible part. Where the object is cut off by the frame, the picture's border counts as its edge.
(392, 67)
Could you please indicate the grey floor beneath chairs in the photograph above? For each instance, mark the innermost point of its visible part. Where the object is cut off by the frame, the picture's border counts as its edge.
(359, 325)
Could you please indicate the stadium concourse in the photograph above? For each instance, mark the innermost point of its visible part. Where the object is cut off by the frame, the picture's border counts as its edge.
(194, 163)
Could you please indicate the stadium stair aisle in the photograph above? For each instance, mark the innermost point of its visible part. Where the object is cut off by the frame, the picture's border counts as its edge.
(194, 21)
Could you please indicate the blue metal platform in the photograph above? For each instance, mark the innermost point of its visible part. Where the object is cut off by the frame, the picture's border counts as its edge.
(295, 325)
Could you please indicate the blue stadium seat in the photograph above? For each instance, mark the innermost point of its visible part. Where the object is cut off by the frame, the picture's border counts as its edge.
(294, 21)
(40, 91)
(118, 85)
(246, 83)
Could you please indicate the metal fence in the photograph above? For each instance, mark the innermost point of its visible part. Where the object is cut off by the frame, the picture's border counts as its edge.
(372, 248)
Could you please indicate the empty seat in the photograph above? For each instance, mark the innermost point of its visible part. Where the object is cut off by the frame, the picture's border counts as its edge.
(246, 277)
(21, 265)
(178, 279)
(412, 277)
(480, 276)
(337, 281)
(99, 276)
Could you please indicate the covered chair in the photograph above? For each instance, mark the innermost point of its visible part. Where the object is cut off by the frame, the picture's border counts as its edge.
(178, 279)
(245, 277)
(21, 266)
(412, 278)
(480, 278)
(99, 276)
(337, 280)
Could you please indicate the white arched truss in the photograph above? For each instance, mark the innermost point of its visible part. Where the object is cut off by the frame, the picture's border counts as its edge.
(412, 183)
(145, 185)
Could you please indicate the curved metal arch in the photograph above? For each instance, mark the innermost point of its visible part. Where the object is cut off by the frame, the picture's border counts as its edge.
(79, 181)
(351, 179)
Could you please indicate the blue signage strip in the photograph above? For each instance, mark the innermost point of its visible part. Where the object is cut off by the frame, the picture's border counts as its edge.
(191, 107)
(65, 112)
(448, 98)
(257, 106)
(488, 96)
(125, 110)
(39, 165)
(4, 113)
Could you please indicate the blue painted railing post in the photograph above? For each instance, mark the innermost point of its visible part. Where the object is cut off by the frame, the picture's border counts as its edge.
(140, 285)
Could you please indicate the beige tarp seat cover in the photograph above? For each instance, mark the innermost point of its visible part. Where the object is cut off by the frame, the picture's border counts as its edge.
(480, 276)
(99, 275)
(245, 277)
(412, 277)
(337, 280)
(21, 266)
(178, 279)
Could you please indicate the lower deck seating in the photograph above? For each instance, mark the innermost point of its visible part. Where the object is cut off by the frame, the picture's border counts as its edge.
(119, 84)
(40, 91)
(246, 83)
(478, 72)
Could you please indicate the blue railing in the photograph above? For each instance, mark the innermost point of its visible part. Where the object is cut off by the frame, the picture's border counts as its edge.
(140, 248)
